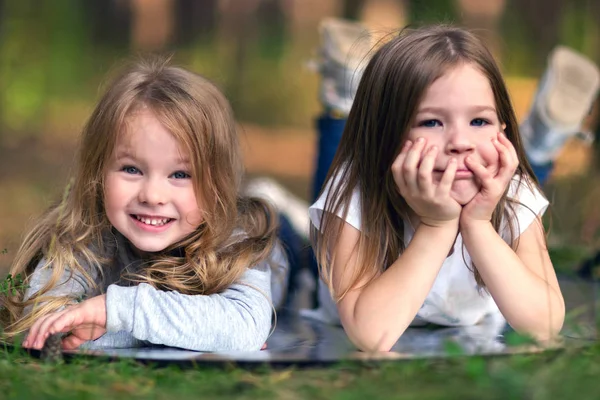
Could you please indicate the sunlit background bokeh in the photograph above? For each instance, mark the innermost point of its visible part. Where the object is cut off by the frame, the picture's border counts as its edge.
(55, 56)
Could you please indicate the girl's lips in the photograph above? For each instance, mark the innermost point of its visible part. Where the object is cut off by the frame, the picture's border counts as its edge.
(151, 223)
(461, 173)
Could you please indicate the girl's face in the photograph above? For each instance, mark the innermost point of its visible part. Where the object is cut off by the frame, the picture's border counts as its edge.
(458, 115)
(149, 194)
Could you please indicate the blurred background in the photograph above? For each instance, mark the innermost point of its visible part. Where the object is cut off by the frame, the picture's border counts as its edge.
(55, 56)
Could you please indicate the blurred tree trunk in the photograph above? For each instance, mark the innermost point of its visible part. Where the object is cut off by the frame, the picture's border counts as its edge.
(152, 24)
(2, 16)
(484, 17)
(596, 129)
(431, 11)
(542, 19)
(352, 9)
(196, 19)
(272, 25)
(109, 21)
(239, 25)
(385, 15)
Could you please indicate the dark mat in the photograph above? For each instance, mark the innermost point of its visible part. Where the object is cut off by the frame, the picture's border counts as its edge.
(301, 341)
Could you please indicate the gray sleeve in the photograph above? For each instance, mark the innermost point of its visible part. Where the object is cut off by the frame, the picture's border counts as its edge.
(114, 340)
(69, 284)
(237, 319)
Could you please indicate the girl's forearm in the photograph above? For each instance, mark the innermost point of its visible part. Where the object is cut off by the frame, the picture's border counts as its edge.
(387, 306)
(237, 319)
(527, 301)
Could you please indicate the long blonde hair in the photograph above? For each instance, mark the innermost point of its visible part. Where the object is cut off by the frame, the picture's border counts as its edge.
(72, 235)
(382, 113)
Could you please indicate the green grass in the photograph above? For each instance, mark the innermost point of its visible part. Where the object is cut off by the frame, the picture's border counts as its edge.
(564, 374)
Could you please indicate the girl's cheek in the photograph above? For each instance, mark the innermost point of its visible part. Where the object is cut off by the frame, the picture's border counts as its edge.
(488, 153)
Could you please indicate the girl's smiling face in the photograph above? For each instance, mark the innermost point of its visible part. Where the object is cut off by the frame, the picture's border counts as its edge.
(149, 194)
(458, 115)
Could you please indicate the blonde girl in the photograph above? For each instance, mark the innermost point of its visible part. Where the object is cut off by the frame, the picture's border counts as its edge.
(153, 243)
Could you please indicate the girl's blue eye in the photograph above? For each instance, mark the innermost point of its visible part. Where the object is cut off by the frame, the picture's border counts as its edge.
(430, 123)
(479, 122)
(180, 175)
(130, 170)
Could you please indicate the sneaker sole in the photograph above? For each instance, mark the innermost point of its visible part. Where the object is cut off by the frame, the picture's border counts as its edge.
(573, 84)
(345, 42)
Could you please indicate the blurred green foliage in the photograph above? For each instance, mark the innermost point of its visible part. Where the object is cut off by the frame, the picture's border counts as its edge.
(56, 54)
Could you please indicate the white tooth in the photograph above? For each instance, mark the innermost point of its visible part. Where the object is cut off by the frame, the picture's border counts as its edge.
(151, 221)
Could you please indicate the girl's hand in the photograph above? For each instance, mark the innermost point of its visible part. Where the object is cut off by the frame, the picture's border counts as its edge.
(494, 181)
(413, 174)
(84, 321)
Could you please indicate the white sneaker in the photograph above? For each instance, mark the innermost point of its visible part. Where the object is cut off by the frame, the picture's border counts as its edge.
(564, 97)
(293, 207)
(344, 53)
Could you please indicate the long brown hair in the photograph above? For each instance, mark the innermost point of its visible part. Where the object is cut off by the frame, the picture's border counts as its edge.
(383, 111)
(236, 233)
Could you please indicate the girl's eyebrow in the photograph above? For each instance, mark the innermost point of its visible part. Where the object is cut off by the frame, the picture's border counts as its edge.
(124, 154)
(121, 154)
(484, 108)
(441, 110)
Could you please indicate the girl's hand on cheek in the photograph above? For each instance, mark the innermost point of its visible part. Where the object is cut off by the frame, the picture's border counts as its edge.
(413, 174)
(84, 321)
(494, 180)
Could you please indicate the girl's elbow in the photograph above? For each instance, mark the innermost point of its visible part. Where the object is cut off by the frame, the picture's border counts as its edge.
(256, 333)
(547, 335)
(557, 320)
(371, 342)
(545, 332)
(249, 340)
(369, 337)
(555, 328)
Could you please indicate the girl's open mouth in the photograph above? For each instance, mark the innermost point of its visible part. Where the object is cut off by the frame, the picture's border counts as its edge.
(152, 221)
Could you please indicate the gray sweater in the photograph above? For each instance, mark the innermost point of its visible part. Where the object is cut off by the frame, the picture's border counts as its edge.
(237, 319)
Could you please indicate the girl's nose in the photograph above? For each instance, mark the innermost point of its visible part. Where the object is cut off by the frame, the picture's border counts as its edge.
(152, 192)
(459, 142)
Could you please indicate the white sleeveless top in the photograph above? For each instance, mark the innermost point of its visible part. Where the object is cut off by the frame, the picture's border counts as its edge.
(454, 299)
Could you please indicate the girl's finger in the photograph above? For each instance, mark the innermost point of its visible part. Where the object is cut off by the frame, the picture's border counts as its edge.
(409, 168)
(34, 331)
(479, 171)
(402, 155)
(41, 331)
(399, 162)
(72, 342)
(63, 323)
(32, 334)
(507, 163)
(448, 177)
(508, 144)
(425, 172)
